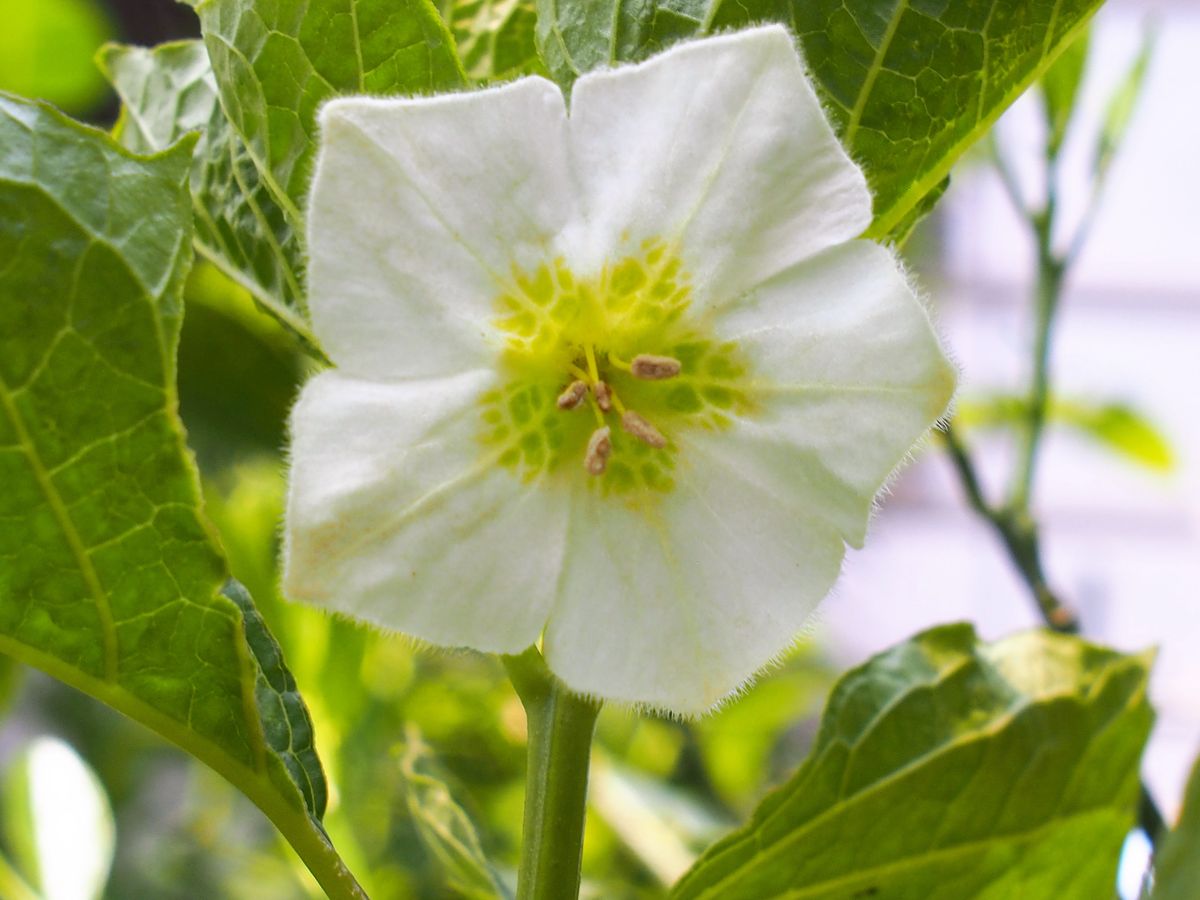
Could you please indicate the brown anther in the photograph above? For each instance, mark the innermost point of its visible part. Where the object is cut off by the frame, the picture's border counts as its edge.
(643, 430)
(603, 396)
(599, 449)
(573, 395)
(655, 368)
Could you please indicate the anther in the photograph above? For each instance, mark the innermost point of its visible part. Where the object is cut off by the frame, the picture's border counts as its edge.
(643, 430)
(573, 395)
(603, 396)
(654, 368)
(599, 449)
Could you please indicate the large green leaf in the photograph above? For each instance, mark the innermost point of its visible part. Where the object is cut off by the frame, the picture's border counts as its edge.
(946, 769)
(169, 91)
(276, 61)
(909, 85)
(1177, 869)
(110, 579)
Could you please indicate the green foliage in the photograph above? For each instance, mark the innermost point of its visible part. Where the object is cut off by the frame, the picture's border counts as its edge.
(1177, 868)
(909, 86)
(46, 48)
(445, 829)
(112, 581)
(238, 374)
(169, 91)
(1116, 427)
(495, 37)
(1060, 89)
(276, 62)
(949, 768)
(1121, 106)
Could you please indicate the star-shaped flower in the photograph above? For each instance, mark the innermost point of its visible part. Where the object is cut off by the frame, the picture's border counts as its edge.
(617, 375)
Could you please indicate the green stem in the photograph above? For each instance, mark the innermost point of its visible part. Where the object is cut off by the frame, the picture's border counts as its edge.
(1051, 274)
(1017, 532)
(561, 725)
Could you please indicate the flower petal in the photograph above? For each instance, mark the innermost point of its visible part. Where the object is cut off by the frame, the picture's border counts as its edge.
(847, 375)
(676, 607)
(722, 144)
(396, 515)
(420, 208)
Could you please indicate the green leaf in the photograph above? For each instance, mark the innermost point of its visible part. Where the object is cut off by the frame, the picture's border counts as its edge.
(1060, 89)
(1121, 106)
(45, 47)
(275, 63)
(445, 829)
(495, 37)
(1116, 427)
(909, 86)
(946, 768)
(169, 91)
(1177, 869)
(110, 579)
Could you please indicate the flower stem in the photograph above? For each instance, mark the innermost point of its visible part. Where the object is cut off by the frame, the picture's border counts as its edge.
(561, 725)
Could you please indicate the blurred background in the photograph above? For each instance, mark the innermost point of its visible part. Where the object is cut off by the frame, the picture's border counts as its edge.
(92, 805)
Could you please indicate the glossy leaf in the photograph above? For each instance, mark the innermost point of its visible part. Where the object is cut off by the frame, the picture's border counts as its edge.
(445, 829)
(110, 579)
(495, 38)
(275, 63)
(946, 768)
(1177, 869)
(169, 91)
(909, 86)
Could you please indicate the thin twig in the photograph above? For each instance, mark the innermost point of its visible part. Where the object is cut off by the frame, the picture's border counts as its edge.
(1018, 534)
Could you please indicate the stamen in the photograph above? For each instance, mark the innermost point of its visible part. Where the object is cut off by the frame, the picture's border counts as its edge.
(655, 368)
(599, 449)
(593, 369)
(643, 430)
(573, 395)
(603, 395)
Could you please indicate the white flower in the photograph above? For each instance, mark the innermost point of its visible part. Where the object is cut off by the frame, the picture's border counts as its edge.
(491, 273)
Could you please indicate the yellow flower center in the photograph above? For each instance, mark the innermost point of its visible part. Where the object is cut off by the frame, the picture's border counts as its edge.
(601, 375)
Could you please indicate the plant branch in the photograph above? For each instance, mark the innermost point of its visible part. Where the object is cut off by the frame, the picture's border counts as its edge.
(1051, 275)
(1017, 532)
(561, 725)
(1013, 523)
